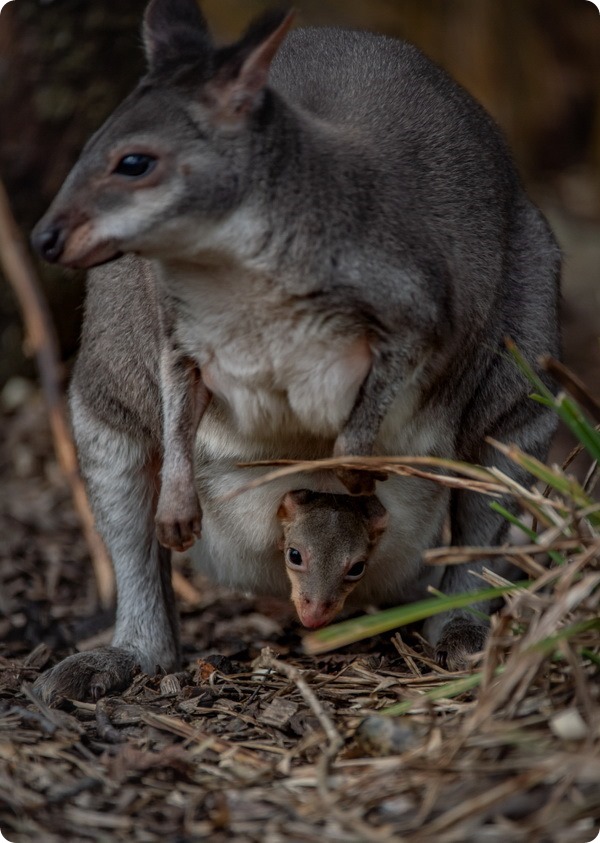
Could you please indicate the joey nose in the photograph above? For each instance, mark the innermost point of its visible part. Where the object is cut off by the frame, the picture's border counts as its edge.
(315, 615)
(49, 242)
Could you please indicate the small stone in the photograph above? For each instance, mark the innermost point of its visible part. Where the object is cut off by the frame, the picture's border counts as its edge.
(380, 736)
(569, 725)
(15, 393)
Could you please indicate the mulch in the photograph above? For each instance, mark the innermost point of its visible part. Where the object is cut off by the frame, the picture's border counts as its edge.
(255, 740)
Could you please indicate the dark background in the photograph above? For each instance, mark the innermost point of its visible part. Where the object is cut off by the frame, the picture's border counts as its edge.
(535, 64)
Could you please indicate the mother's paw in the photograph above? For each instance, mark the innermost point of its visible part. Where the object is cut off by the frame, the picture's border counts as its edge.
(460, 639)
(87, 675)
(360, 482)
(179, 519)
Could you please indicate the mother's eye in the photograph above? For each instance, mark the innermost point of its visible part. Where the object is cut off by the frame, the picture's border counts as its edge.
(135, 165)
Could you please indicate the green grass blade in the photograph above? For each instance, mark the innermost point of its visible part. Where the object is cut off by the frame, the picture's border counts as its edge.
(548, 644)
(516, 522)
(556, 557)
(568, 409)
(566, 486)
(366, 626)
(589, 654)
(447, 691)
(482, 616)
(585, 432)
(526, 369)
(455, 687)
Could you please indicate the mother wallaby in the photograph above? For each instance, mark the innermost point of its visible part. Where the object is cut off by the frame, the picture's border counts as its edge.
(327, 244)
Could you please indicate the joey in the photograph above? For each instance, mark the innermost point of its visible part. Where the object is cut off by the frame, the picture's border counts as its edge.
(327, 544)
(325, 243)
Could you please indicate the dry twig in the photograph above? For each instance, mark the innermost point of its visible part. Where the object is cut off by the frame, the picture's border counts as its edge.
(41, 341)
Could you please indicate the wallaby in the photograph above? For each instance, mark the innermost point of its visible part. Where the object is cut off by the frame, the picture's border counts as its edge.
(327, 543)
(327, 244)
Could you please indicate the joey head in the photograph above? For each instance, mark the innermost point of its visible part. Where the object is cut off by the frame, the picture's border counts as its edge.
(324, 243)
(327, 544)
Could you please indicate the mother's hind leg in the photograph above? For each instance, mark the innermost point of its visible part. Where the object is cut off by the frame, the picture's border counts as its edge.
(122, 479)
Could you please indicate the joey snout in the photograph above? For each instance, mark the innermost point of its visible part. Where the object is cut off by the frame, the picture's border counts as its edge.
(315, 613)
(320, 586)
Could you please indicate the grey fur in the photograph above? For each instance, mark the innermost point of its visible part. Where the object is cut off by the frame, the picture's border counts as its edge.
(341, 254)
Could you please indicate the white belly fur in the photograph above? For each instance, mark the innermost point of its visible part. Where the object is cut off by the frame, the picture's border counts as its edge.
(274, 361)
(313, 389)
(285, 379)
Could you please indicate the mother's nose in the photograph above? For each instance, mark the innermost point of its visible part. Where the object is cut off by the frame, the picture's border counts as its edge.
(48, 241)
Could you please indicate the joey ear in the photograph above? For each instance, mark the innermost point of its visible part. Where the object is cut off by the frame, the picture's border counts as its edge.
(292, 502)
(301, 497)
(377, 516)
(175, 31)
(242, 69)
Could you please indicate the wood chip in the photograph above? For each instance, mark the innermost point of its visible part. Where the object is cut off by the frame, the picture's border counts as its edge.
(278, 713)
(170, 685)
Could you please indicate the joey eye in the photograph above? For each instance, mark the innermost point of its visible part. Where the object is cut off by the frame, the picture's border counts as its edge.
(356, 571)
(135, 165)
(293, 557)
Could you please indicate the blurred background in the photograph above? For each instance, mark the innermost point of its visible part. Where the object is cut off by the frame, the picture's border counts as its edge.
(534, 64)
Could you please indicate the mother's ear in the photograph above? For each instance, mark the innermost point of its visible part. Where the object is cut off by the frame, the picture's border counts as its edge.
(174, 33)
(231, 80)
(242, 70)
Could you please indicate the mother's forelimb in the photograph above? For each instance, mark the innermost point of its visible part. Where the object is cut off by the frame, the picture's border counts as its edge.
(184, 400)
(380, 388)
